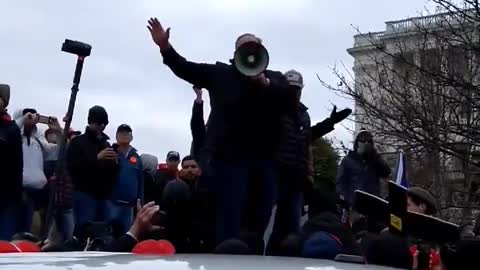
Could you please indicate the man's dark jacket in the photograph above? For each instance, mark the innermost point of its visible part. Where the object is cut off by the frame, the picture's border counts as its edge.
(361, 172)
(296, 139)
(90, 175)
(11, 160)
(245, 117)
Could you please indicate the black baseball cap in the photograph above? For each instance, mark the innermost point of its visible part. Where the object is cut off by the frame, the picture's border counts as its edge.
(124, 128)
(173, 155)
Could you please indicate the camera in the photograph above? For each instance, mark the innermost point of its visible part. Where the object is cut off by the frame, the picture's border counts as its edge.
(76, 47)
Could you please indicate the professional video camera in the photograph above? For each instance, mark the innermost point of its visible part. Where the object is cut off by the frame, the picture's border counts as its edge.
(427, 231)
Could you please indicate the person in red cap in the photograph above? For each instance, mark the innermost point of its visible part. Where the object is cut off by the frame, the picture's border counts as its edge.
(11, 168)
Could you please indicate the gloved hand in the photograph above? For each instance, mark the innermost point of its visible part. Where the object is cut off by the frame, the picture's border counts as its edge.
(338, 117)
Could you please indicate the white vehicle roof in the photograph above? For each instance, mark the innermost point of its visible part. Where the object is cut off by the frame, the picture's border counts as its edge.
(123, 261)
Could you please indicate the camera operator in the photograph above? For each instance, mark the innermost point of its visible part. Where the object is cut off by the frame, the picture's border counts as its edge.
(11, 168)
(92, 166)
(36, 150)
(243, 126)
(362, 169)
(130, 183)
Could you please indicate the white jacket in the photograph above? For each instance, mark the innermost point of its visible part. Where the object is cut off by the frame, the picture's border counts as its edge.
(34, 154)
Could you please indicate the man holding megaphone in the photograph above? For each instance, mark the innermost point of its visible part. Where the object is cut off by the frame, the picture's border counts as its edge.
(247, 104)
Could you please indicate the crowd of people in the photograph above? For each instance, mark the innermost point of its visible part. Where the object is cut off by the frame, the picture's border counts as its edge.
(253, 152)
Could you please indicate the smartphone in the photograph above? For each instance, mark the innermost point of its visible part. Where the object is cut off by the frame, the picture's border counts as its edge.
(115, 147)
(42, 119)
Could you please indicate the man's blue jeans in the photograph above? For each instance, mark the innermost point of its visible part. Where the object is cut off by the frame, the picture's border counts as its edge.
(289, 208)
(120, 216)
(230, 181)
(87, 209)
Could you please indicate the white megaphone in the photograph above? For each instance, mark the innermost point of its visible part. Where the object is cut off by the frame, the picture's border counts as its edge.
(251, 59)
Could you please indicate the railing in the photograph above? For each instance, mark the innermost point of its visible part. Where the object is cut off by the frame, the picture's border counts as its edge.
(367, 39)
(425, 22)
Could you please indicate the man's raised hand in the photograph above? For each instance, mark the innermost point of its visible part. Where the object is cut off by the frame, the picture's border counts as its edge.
(159, 35)
(143, 220)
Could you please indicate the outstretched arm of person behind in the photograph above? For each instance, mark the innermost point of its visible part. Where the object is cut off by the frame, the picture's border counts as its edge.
(195, 73)
(197, 123)
(328, 125)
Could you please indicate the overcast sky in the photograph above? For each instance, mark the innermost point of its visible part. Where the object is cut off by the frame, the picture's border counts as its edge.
(125, 73)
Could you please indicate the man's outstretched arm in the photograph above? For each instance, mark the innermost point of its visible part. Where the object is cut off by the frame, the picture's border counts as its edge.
(194, 73)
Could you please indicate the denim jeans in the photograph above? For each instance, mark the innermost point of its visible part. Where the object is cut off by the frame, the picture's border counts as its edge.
(87, 209)
(8, 220)
(289, 209)
(231, 191)
(120, 216)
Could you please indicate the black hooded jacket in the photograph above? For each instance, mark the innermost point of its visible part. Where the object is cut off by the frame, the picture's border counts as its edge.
(90, 175)
(362, 172)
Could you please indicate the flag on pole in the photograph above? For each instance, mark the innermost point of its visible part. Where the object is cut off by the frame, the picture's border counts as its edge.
(401, 171)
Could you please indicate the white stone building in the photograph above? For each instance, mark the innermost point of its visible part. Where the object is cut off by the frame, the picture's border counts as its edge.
(407, 38)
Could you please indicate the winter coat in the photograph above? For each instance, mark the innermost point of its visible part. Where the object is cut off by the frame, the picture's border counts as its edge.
(11, 161)
(35, 151)
(295, 139)
(362, 173)
(90, 175)
(245, 119)
(129, 186)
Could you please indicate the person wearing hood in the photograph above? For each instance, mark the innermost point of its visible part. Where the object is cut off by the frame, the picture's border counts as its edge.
(362, 169)
(11, 168)
(93, 167)
(130, 183)
(36, 151)
(152, 190)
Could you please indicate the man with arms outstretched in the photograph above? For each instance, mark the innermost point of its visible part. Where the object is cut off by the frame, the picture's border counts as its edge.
(243, 128)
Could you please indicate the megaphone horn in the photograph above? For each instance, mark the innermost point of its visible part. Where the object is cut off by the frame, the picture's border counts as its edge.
(251, 59)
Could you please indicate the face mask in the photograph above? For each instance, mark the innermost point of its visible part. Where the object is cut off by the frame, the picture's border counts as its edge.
(363, 148)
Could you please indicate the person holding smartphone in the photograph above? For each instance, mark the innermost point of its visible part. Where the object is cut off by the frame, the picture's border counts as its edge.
(93, 167)
(35, 151)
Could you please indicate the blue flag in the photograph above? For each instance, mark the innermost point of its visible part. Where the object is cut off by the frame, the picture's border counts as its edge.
(401, 171)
